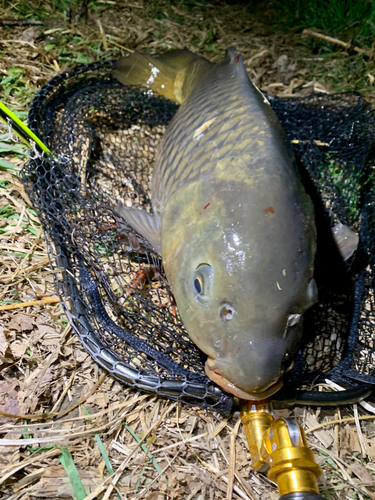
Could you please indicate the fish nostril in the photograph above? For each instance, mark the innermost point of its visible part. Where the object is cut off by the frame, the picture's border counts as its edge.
(226, 312)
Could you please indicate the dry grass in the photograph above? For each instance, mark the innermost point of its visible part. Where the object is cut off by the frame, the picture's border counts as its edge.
(187, 453)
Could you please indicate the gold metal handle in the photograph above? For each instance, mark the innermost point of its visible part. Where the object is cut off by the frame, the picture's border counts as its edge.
(279, 447)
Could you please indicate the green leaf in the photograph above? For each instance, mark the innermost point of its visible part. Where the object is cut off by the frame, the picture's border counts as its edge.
(10, 147)
(50, 46)
(32, 230)
(15, 71)
(5, 165)
(22, 115)
(67, 462)
(40, 450)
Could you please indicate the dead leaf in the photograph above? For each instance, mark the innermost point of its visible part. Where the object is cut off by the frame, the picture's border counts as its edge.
(100, 399)
(31, 478)
(285, 68)
(30, 34)
(47, 377)
(324, 436)
(9, 404)
(55, 483)
(13, 325)
(3, 341)
(18, 349)
(349, 442)
(42, 328)
(362, 473)
(370, 447)
(156, 495)
(79, 355)
(9, 398)
(21, 323)
(283, 413)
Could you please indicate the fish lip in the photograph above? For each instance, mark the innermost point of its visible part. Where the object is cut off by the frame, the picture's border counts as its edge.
(228, 386)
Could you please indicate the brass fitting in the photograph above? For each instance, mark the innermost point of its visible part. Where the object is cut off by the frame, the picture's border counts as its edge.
(292, 464)
(280, 447)
(256, 419)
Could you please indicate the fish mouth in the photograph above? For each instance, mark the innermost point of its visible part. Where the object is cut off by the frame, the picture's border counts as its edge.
(228, 386)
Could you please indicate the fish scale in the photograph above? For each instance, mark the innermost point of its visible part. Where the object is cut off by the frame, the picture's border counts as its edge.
(193, 157)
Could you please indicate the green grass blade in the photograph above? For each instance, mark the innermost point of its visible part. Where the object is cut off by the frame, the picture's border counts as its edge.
(67, 462)
(5, 165)
(102, 449)
(7, 148)
(103, 452)
(144, 448)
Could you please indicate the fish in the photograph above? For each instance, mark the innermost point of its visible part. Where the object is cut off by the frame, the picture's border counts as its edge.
(231, 218)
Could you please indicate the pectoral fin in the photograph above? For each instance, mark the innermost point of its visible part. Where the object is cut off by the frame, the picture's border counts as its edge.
(143, 222)
(346, 240)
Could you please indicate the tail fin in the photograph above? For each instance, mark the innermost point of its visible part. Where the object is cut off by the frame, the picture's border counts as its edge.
(172, 74)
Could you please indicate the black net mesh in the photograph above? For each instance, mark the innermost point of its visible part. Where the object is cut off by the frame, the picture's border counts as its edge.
(112, 283)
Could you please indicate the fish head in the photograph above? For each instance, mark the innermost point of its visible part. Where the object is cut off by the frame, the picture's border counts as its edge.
(242, 278)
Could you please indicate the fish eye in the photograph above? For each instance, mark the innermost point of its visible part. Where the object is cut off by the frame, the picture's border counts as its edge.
(198, 284)
(202, 281)
(226, 312)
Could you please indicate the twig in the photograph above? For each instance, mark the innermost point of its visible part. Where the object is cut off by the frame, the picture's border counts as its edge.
(22, 42)
(43, 426)
(52, 439)
(232, 460)
(338, 421)
(36, 457)
(7, 278)
(346, 45)
(112, 480)
(44, 416)
(359, 430)
(21, 22)
(66, 389)
(48, 300)
(109, 40)
(103, 35)
(142, 493)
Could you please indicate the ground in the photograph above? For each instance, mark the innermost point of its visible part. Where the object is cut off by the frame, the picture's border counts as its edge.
(187, 453)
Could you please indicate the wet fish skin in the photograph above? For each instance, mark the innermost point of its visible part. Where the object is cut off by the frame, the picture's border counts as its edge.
(230, 210)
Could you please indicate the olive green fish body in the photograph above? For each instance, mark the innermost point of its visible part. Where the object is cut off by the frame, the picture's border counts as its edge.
(235, 229)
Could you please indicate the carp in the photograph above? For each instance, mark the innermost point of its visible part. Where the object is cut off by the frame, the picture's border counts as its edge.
(231, 219)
